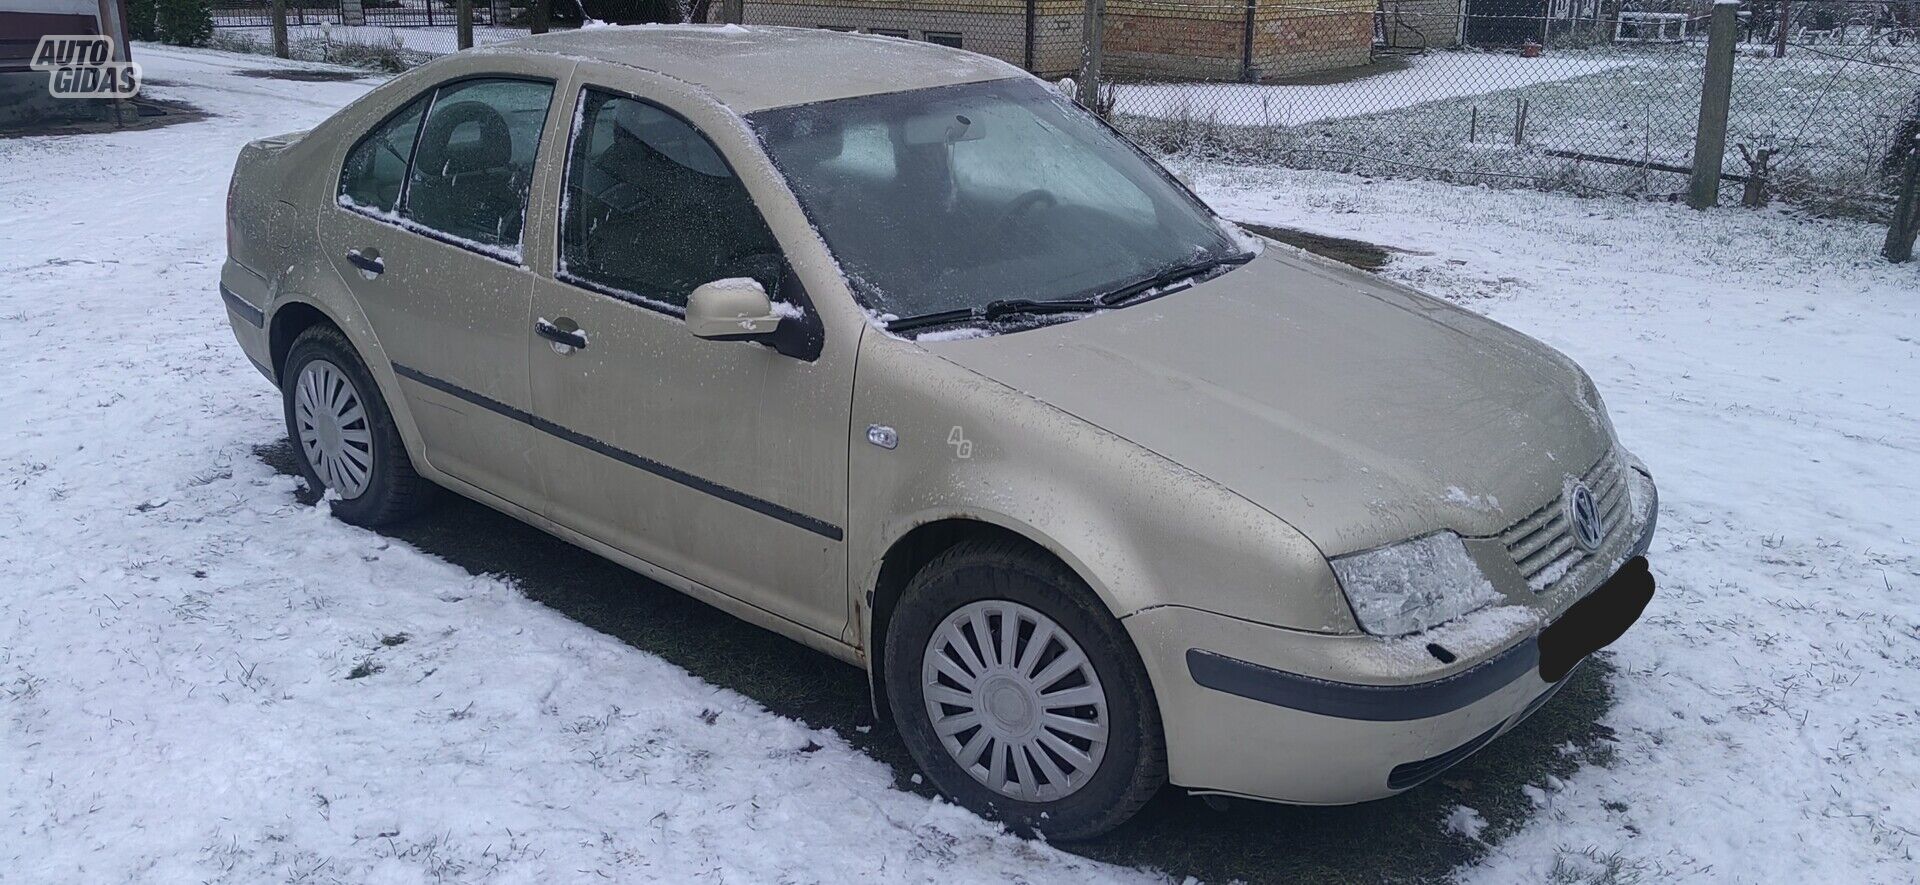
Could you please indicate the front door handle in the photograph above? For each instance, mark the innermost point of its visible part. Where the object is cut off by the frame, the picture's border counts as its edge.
(368, 261)
(563, 333)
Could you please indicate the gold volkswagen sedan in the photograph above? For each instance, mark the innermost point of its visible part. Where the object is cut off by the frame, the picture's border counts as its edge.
(889, 348)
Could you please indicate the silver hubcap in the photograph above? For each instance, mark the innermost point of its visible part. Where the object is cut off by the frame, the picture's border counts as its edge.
(1015, 701)
(333, 429)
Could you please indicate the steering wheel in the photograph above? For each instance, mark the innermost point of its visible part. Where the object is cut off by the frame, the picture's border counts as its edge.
(1038, 198)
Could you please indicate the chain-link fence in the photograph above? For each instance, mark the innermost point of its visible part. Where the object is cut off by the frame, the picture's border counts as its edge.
(1582, 95)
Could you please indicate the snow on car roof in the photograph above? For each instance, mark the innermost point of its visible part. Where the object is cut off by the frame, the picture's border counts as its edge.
(751, 68)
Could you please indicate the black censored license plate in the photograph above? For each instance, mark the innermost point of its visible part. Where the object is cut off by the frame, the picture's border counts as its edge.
(1595, 622)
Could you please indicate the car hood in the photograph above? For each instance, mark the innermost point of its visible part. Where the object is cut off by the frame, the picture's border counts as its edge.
(1359, 411)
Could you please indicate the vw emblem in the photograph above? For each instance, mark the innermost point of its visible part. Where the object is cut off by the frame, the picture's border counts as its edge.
(1584, 516)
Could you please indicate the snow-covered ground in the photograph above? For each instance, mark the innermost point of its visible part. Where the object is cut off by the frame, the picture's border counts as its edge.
(1426, 78)
(179, 641)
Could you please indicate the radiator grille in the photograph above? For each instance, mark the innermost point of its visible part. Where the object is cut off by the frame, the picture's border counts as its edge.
(1543, 545)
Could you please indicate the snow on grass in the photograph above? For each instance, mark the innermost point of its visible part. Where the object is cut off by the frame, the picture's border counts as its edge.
(1767, 368)
(1453, 113)
(202, 680)
(428, 40)
(1425, 78)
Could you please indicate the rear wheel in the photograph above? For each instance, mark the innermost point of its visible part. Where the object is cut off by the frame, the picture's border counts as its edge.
(1019, 696)
(346, 438)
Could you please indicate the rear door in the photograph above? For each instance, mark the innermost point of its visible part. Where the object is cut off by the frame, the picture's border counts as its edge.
(428, 231)
(724, 462)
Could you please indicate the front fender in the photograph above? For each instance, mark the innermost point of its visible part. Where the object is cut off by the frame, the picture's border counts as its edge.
(1139, 529)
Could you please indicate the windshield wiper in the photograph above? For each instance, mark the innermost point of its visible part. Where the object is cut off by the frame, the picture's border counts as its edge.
(1169, 277)
(994, 310)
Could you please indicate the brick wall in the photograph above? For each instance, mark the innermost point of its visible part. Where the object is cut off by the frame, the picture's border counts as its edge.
(1145, 39)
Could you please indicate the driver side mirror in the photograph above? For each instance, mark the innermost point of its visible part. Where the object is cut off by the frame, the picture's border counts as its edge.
(733, 309)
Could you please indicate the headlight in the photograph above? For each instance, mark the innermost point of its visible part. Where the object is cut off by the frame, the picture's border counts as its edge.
(1413, 585)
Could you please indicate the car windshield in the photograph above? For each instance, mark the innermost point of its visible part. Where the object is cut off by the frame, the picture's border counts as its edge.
(957, 197)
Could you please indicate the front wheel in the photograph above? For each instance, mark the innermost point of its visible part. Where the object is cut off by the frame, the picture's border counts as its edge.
(1019, 696)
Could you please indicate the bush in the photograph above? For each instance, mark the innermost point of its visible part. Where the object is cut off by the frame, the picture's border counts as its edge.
(184, 22)
(140, 20)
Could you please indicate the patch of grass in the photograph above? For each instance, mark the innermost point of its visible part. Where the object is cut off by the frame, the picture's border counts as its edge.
(1402, 839)
(366, 667)
(350, 50)
(1592, 866)
(301, 75)
(1360, 254)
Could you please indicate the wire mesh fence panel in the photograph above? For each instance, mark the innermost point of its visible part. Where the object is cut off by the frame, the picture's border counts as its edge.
(259, 13)
(383, 13)
(1561, 95)
(1826, 100)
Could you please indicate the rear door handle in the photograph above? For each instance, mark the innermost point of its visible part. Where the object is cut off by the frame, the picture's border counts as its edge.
(574, 338)
(368, 261)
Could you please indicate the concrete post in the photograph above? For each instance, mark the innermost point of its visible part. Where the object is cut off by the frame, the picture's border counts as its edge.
(1904, 228)
(1092, 30)
(542, 16)
(463, 24)
(1716, 94)
(499, 13)
(280, 28)
(1785, 17)
(1247, 74)
(733, 12)
(352, 12)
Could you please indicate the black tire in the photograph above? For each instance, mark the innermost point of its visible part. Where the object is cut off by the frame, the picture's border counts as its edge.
(394, 491)
(1134, 766)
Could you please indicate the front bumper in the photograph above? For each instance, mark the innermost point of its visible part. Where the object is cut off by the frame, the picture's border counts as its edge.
(1267, 713)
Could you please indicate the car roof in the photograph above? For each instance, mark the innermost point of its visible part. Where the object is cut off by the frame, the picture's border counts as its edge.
(751, 68)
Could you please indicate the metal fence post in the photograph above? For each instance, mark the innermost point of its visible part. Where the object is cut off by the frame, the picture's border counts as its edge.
(1246, 43)
(463, 24)
(1716, 94)
(733, 12)
(1033, 16)
(280, 28)
(1092, 29)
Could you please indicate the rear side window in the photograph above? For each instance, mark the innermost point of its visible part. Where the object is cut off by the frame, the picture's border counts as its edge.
(376, 168)
(474, 162)
(653, 211)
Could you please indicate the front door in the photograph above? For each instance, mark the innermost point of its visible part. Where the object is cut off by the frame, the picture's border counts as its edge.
(724, 462)
(427, 232)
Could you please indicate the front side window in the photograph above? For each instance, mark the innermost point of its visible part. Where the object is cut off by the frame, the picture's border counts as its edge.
(474, 163)
(951, 198)
(376, 168)
(652, 211)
